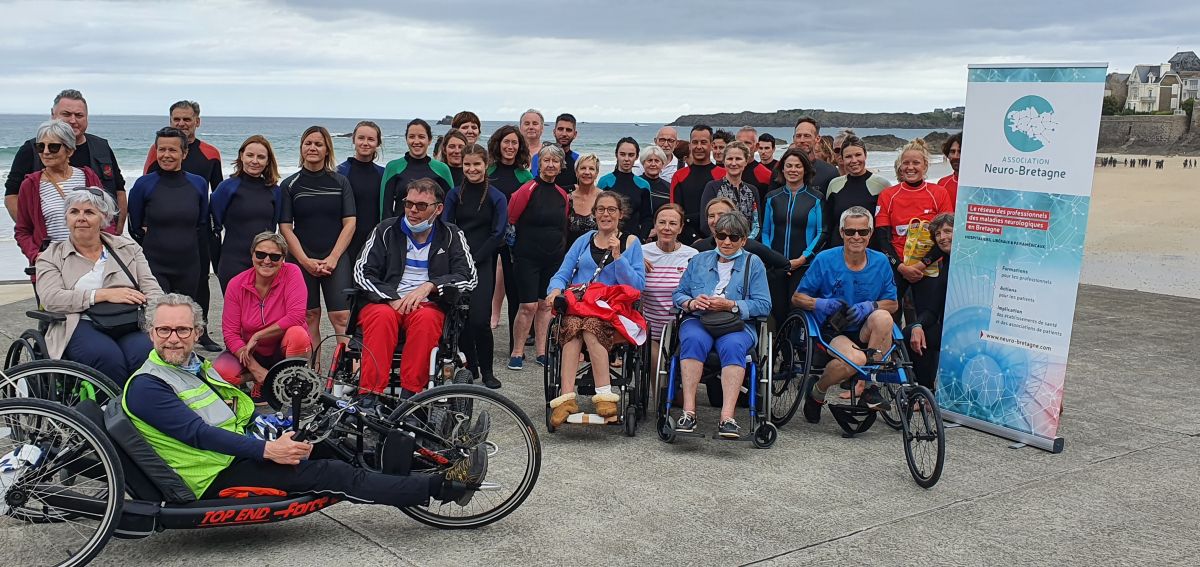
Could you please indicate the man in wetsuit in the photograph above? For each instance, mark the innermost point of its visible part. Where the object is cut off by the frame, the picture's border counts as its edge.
(756, 173)
(90, 151)
(666, 138)
(565, 132)
(687, 185)
(766, 150)
(807, 136)
(952, 149)
(204, 160)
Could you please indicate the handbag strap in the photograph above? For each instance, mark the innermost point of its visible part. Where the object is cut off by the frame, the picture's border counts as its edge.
(124, 268)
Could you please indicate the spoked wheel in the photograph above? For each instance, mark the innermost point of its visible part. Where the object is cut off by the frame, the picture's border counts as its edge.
(58, 470)
(499, 426)
(60, 381)
(924, 436)
(633, 388)
(29, 347)
(890, 393)
(550, 377)
(662, 374)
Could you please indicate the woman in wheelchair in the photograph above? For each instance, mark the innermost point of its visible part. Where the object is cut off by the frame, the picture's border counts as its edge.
(716, 284)
(98, 282)
(851, 292)
(263, 320)
(197, 423)
(603, 256)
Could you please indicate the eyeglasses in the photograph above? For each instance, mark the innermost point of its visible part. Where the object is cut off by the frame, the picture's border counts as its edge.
(182, 332)
(608, 210)
(54, 147)
(856, 232)
(666, 140)
(260, 255)
(418, 206)
(730, 237)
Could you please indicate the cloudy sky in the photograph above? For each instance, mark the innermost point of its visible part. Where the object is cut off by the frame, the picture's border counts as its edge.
(610, 60)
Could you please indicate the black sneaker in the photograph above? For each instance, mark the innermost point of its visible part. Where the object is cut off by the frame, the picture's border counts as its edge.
(686, 422)
(462, 479)
(873, 400)
(729, 429)
(480, 427)
(491, 382)
(367, 403)
(812, 408)
(208, 344)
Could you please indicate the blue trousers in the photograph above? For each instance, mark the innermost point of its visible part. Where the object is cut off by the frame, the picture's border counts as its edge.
(115, 358)
(695, 343)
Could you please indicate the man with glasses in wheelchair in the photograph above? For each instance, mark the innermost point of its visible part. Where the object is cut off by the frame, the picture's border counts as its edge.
(407, 264)
(852, 294)
(197, 424)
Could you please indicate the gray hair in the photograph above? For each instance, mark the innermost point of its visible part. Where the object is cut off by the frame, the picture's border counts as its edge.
(552, 151)
(733, 222)
(173, 299)
(189, 104)
(70, 94)
(532, 111)
(94, 196)
(57, 129)
(653, 150)
(856, 213)
(268, 236)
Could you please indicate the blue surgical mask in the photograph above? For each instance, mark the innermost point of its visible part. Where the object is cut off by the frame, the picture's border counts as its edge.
(419, 228)
(733, 256)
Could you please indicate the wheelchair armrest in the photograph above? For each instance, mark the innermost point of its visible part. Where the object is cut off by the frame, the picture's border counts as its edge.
(30, 271)
(560, 305)
(46, 316)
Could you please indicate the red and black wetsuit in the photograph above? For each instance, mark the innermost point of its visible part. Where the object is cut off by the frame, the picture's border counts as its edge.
(687, 187)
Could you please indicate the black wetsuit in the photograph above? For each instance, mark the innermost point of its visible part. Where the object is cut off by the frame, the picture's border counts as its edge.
(481, 212)
(167, 211)
(315, 204)
(456, 175)
(508, 178)
(402, 171)
(365, 178)
(541, 225)
(852, 191)
(929, 299)
(660, 194)
(251, 210)
(637, 195)
(687, 187)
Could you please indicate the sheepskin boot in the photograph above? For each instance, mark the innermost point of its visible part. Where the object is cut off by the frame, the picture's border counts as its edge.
(606, 404)
(561, 407)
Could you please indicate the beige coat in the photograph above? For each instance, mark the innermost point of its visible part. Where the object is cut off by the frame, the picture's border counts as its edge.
(59, 267)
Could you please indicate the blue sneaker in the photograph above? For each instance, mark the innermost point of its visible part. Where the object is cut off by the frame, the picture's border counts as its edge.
(516, 363)
(542, 360)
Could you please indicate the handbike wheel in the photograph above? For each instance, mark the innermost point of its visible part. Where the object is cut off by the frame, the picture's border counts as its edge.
(515, 452)
(924, 436)
(890, 393)
(63, 474)
(60, 381)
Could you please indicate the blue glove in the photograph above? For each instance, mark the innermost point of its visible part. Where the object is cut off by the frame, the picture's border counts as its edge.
(860, 311)
(826, 307)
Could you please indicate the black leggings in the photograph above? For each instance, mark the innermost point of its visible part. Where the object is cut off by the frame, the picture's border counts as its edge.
(328, 476)
(181, 278)
(510, 290)
(476, 340)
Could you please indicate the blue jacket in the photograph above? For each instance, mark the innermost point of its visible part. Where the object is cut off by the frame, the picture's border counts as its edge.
(218, 204)
(578, 266)
(701, 279)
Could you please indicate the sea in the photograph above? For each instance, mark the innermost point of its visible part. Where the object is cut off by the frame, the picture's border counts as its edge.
(132, 136)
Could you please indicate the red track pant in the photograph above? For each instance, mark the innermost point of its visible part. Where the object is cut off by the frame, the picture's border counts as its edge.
(381, 327)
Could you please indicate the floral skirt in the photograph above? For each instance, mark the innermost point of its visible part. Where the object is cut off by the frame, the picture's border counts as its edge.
(573, 327)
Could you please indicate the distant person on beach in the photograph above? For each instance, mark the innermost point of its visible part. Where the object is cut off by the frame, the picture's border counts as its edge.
(636, 191)
(469, 124)
(413, 165)
(318, 220)
(734, 187)
(766, 150)
(90, 151)
(565, 132)
(806, 136)
(508, 170)
(366, 177)
(859, 187)
(687, 185)
(43, 193)
(756, 173)
(666, 139)
(952, 149)
(246, 205)
(168, 216)
(204, 160)
(532, 124)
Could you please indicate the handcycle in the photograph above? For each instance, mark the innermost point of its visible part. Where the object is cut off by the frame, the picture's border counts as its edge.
(800, 357)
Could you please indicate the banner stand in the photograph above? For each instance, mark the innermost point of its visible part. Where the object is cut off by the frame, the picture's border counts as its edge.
(1054, 445)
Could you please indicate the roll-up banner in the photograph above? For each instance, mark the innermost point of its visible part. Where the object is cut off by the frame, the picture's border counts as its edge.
(1025, 183)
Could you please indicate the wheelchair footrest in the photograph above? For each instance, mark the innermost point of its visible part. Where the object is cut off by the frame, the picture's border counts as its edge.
(582, 418)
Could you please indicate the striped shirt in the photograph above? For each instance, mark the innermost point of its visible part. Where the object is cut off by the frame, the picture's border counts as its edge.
(661, 282)
(53, 206)
(416, 266)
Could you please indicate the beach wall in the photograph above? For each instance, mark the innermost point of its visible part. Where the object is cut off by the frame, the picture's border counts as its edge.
(1128, 132)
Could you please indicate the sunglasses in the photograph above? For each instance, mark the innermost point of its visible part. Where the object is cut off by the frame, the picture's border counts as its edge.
(418, 206)
(260, 255)
(730, 237)
(856, 232)
(54, 147)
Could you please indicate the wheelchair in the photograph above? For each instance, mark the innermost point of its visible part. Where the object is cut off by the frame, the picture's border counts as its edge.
(73, 477)
(31, 344)
(755, 394)
(800, 357)
(629, 381)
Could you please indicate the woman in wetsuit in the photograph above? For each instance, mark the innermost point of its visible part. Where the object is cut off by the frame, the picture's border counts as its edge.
(509, 170)
(481, 212)
(653, 159)
(413, 165)
(469, 124)
(635, 189)
(245, 205)
(857, 188)
(365, 178)
(167, 210)
(793, 223)
(449, 152)
(317, 220)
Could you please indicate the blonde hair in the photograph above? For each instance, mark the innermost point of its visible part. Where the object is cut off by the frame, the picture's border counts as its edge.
(587, 157)
(918, 145)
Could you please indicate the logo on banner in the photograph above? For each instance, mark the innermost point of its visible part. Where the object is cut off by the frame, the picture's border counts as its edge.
(1029, 124)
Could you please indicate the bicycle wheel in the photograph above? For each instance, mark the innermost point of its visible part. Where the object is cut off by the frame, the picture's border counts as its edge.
(514, 452)
(60, 381)
(924, 436)
(59, 472)
(789, 369)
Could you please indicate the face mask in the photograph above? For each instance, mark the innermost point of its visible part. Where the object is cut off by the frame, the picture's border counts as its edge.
(419, 228)
(731, 256)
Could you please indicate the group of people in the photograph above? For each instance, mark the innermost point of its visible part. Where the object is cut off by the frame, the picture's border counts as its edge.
(724, 226)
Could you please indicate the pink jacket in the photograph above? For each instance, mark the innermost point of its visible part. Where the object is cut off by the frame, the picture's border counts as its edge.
(245, 313)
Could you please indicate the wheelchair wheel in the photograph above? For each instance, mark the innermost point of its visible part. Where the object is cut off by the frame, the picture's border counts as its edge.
(632, 390)
(30, 346)
(515, 452)
(666, 429)
(765, 435)
(550, 374)
(662, 374)
(924, 435)
(790, 369)
(60, 381)
(890, 393)
(58, 470)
